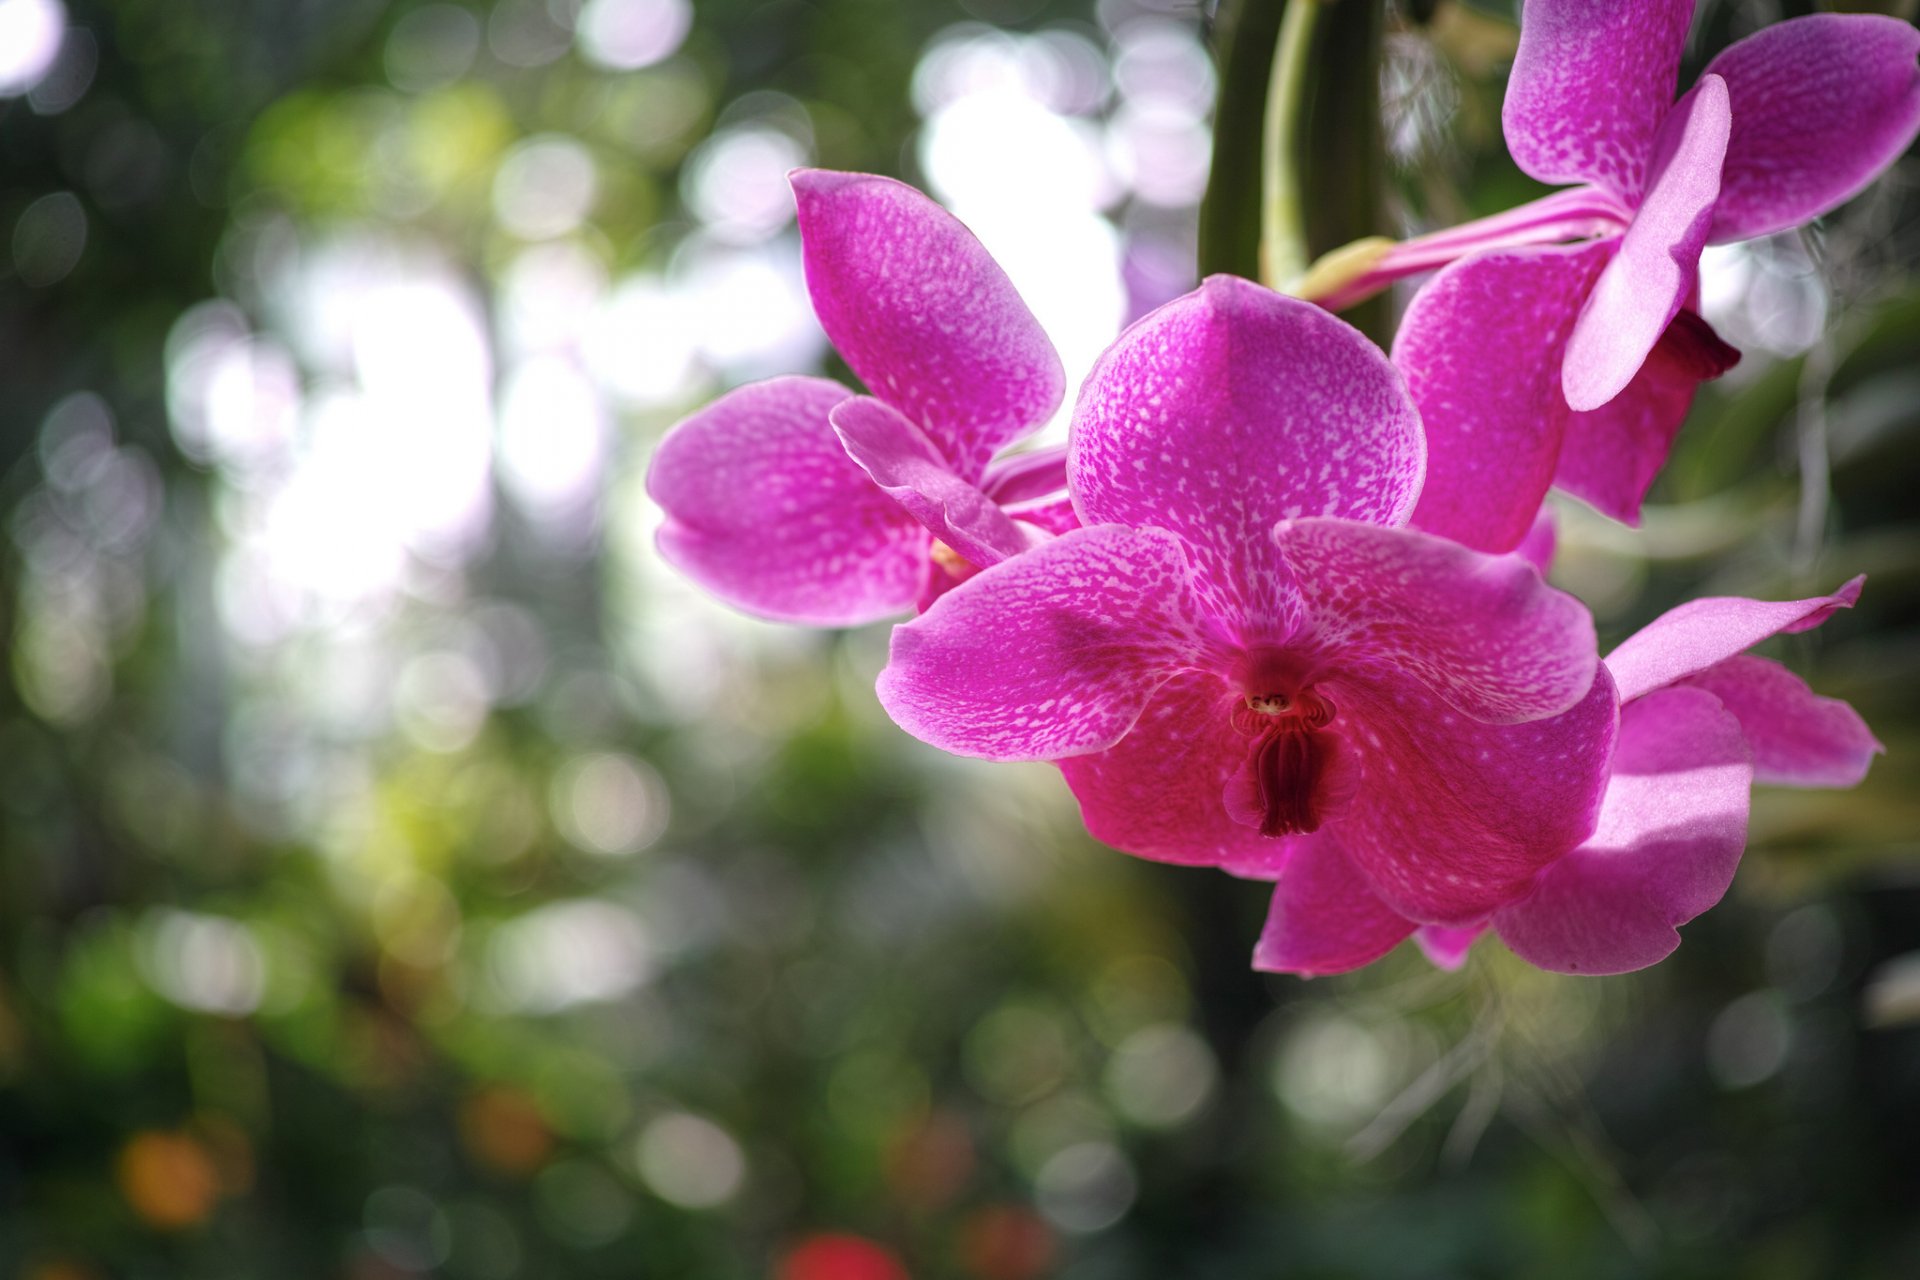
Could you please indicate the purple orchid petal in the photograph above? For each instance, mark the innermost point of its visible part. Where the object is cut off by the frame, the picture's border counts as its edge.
(1669, 839)
(1821, 105)
(766, 511)
(1157, 792)
(1454, 818)
(1694, 636)
(1050, 654)
(1610, 456)
(1799, 738)
(1049, 515)
(1324, 919)
(902, 461)
(1234, 407)
(1481, 348)
(1446, 947)
(1538, 547)
(924, 315)
(1022, 477)
(1591, 82)
(1483, 633)
(1654, 273)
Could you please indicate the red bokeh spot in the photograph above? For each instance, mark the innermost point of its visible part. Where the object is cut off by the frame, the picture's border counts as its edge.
(840, 1257)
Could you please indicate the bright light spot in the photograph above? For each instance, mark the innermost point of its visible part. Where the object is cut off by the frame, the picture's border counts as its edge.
(1161, 1076)
(568, 953)
(609, 804)
(233, 399)
(545, 187)
(203, 962)
(1334, 1072)
(736, 182)
(643, 343)
(71, 75)
(440, 701)
(1766, 294)
(689, 1161)
(1163, 154)
(1161, 63)
(30, 32)
(624, 34)
(755, 318)
(547, 297)
(1002, 149)
(553, 437)
(1086, 1188)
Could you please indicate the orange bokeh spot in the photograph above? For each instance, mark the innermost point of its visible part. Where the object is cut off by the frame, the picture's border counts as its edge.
(839, 1256)
(169, 1179)
(505, 1131)
(1006, 1242)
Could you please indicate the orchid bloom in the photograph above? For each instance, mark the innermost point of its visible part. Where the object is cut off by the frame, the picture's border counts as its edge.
(1537, 362)
(1700, 721)
(799, 500)
(1244, 644)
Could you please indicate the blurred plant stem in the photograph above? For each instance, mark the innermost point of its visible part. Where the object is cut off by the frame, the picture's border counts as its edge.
(1298, 155)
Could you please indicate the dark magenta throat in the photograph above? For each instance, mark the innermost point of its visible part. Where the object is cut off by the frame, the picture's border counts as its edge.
(1284, 785)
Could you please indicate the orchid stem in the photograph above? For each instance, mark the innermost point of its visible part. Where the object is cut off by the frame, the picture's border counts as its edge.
(1284, 253)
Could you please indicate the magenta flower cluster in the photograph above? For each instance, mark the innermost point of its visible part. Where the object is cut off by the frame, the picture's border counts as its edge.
(1276, 608)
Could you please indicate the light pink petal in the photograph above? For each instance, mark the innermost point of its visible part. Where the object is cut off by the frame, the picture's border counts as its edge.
(1591, 82)
(1669, 839)
(1324, 919)
(924, 315)
(766, 511)
(1231, 408)
(1022, 477)
(1049, 515)
(1693, 636)
(1453, 818)
(1481, 347)
(902, 461)
(1610, 456)
(1447, 947)
(1654, 273)
(1821, 106)
(1050, 654)
(1484, 633)
(1157, 792)
(1799, 738)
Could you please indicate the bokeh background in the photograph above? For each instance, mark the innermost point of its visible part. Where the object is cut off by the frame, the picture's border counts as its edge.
(403, 874)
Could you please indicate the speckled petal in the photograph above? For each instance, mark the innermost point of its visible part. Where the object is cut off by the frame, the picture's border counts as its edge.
(1453, 818)
(1821, 106)
(1658, 265)
(1157, 792)
(1669, 839)
(1799, 738)
(924, 314)
(1231, 408)
(766, 511)
(1052, 653)
(1324, 919)
(1694, 636)
(1481, 347)
(1591, 82)
(1483, 633)
(909, 467)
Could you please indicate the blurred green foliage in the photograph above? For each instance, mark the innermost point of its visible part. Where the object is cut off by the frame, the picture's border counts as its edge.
(674, 954)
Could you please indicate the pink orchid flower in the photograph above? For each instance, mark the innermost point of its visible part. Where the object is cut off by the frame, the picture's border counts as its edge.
(1245, 644)
(800, 501)
(1701, 720)
(1539, 363)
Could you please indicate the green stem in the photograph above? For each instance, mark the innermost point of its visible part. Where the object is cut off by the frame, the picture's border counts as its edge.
(1283, 225)
(1244, 33)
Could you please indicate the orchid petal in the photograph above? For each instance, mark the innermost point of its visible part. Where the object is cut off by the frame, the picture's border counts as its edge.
(1485, 634)
(1157, 792)
(902, 461)
(1610, 455)
(1445, 947)
(1799, 738)
(1591, 82)
(1324, 919)
(1454, 818)
(1821, 106)
(1538, 547)
(1022, 477)
(1694, 636)
(766, 511)
(1234, 407)
(1669, 838)
(1050, 654)
(924, 315)
(1648, 281)
(1481, 347)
